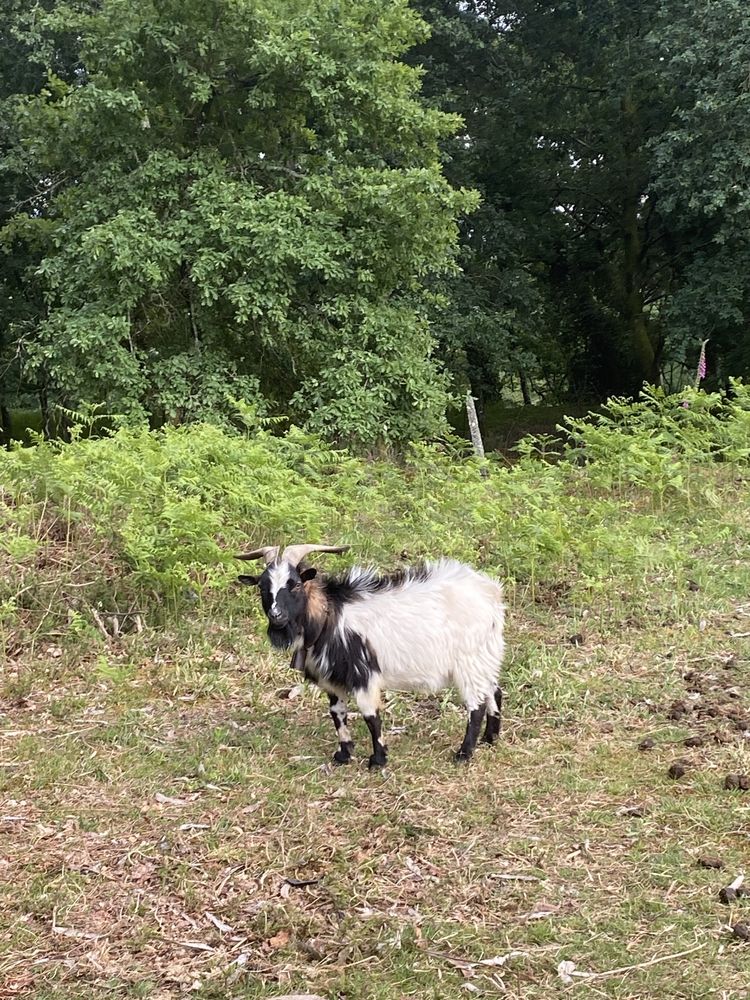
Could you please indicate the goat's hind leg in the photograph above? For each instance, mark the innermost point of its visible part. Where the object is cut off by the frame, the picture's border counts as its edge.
(473, 727)
(339, 715)
(494, 716)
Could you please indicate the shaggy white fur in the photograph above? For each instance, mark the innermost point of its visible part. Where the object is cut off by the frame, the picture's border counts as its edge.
(443, 627)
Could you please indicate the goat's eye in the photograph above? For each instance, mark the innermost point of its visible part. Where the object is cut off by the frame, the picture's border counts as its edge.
(292, 585)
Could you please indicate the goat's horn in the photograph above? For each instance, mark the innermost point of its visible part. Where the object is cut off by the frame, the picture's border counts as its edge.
(294, 554)
(267, 552)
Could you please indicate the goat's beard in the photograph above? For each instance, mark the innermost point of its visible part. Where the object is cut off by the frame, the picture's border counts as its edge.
(284, 637)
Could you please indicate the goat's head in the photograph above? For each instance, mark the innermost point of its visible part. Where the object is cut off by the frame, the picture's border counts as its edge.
(282, 588)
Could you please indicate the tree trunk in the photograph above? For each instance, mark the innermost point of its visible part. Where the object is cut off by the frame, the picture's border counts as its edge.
(524, 387)
(6, 428)
(476, 434)
(641, 344)
(44, 407)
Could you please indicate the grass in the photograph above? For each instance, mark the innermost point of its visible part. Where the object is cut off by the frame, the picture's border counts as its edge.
(170, 822)
(159, 789)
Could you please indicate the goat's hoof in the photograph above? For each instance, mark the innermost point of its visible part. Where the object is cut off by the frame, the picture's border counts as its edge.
(344, 754)
(377, 760)
(490, 738)
(462, 756)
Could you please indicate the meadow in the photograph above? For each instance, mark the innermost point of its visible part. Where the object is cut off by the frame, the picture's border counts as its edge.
(171, 824)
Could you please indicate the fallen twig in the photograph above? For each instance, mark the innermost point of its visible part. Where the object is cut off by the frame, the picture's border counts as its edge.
(72, 932)
(624, 969)
(100, 624)
(515, 878)
(218, 923)
(465, 963)
(190, 945)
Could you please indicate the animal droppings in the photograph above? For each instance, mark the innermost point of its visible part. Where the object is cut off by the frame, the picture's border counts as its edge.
(678, 709)
(741, 781)
(709, 861)
(694, 741)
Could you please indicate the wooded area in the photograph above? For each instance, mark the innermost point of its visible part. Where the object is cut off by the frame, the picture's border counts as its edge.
(348, 213)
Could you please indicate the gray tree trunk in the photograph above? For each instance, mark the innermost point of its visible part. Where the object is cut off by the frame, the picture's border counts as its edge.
(476, 434)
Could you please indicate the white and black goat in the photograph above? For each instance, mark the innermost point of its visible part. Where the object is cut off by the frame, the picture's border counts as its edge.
(424, 629)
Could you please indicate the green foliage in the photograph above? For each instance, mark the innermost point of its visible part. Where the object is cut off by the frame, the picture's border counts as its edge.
(607, 141)
(702, 178)
(245, 193)
(273, 202)
(162, 512)
(655, 444)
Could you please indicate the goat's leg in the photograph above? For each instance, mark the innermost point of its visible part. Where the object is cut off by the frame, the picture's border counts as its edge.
(472, 733)
(494, 716)
(368, 703)
(339, 715)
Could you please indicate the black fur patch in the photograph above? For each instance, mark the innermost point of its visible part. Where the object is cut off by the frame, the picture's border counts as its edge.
(292, 604)
(492, 729)
(345, 589)
(346, 747)
(473, 726)
(344, 753)
(399, 578)
(347, 661)
(494, 722)
(282, 638)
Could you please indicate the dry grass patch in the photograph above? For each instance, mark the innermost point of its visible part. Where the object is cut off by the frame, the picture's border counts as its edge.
(165, 836)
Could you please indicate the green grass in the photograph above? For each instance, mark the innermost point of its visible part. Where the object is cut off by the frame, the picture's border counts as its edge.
(159, 786)
(136, 800)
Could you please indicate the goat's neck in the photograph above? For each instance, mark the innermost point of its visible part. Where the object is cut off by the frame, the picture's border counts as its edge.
(317, 611)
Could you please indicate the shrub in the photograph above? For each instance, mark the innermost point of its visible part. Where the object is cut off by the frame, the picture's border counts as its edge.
(150, 519)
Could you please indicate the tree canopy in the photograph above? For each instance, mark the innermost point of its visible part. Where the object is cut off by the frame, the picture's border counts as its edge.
(609, 142)
(233, 199)
(340, 212)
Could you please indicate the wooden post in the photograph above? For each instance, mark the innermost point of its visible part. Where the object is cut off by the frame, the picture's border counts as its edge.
(476, 434)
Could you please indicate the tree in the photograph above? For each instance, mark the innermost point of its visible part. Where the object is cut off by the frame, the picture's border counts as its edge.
(492, 324)
(21, 299)
(702, 180)
(238, 199)
(592, 132)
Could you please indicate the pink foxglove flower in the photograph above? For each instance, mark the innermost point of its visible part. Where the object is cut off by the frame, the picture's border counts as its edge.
(700, 373)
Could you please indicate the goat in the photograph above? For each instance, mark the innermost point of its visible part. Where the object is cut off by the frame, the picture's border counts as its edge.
(422, 628)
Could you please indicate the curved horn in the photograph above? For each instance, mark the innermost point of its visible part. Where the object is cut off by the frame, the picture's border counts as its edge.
(294, 554)
(267, 553)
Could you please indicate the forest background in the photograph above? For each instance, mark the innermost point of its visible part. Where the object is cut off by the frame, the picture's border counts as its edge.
(349, 214)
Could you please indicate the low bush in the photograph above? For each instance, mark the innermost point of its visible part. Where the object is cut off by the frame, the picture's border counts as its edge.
(149, 520)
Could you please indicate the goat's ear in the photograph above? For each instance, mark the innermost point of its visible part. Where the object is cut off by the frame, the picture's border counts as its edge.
(251, 581)
(308, 574)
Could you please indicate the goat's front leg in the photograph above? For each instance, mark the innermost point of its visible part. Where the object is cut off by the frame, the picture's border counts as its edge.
(368, 703)
(339, 715)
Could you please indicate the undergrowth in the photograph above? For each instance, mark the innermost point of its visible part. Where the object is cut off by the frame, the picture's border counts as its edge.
(147, 522)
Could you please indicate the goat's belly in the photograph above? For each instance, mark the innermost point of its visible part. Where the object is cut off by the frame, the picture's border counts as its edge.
(414, 677)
